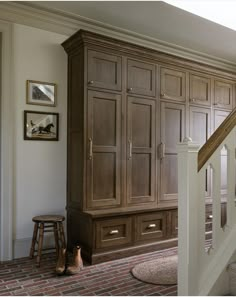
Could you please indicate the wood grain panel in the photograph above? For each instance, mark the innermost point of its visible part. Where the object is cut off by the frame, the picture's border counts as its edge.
(173, 84)
(141, 151)
(104, 70)
(141, 78)
(200, 89)
(172, 132)
(104, 150)
(223, 94)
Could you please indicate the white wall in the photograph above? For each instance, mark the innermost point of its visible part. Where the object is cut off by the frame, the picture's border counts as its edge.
(39, 166)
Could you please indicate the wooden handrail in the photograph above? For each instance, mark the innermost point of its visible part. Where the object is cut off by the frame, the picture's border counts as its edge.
(216, 139)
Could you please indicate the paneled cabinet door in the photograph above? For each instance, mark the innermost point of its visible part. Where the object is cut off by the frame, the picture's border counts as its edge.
(141, 78)
(103, 150)
(223, 94)
(173, 84)
(141, 160)
(104, 70)
(172, 132)
(219, 117)
(200, 89)
(200, 131)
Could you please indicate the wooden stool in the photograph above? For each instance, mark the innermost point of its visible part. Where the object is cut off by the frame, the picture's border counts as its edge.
(47, 223)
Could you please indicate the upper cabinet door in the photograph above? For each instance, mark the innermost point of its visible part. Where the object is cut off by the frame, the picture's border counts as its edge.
(223, 94)
(200, 89)
(173, 84)
(141, 167)
(103, 150)
(141, 78)
(104, 70)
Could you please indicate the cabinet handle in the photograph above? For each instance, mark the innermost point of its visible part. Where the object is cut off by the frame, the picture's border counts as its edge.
(90, 148)
(210, 217)
(90, 82)
(114, 232)
(150, 226)
(130, 89)
(130, 149)
(162, 150)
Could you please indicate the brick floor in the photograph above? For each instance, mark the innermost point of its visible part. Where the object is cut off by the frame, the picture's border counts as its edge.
(21, 277)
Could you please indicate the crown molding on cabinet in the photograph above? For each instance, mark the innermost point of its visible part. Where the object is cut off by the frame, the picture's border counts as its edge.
(31, 14)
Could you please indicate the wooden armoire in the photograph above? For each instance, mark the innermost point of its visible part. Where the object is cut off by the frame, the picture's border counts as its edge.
(128, 107)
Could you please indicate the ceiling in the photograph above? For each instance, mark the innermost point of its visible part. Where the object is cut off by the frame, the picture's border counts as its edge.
(158, 20)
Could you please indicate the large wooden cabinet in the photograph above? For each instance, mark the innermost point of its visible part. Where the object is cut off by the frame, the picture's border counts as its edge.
(128, 107)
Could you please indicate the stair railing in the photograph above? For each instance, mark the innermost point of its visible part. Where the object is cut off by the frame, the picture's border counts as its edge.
(199, 266)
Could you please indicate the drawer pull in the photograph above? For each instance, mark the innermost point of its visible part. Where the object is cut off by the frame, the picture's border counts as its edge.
(210, 217)
(151, 226)
(91, 82)
(114, 232)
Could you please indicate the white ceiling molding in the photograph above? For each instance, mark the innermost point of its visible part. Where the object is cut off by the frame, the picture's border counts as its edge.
(30, 14)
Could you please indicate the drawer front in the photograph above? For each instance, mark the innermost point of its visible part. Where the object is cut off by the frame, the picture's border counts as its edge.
(174, 223)
(113, 232)
(151, 226)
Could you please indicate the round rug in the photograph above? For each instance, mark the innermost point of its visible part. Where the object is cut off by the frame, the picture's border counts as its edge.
(162, 271)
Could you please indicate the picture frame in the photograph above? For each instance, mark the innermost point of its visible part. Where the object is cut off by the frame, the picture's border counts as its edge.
(39, 125)
(41, 93)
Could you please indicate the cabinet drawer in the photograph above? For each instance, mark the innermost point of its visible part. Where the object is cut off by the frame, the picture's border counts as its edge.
(151, 226)
(104, 70)
(141, 78)
(113, 232)
(174, 223)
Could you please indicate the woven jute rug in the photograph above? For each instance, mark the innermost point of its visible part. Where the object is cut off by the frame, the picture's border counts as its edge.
(161, 271)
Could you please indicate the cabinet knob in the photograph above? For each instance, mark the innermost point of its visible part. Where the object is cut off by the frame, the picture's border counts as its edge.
(216, 104)
(114, 232)
(192, 100)
(150, 226)
(163, 94)
(210, 217)
(90, 82)
(130, 89)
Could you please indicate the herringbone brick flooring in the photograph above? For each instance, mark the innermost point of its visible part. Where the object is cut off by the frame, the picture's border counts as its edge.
(21, 277)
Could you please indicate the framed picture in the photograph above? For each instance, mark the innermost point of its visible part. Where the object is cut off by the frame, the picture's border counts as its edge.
(40, 93)
(41, 125)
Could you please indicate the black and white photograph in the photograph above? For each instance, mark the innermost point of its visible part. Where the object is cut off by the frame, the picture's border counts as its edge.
(40, 125)
(40, 93)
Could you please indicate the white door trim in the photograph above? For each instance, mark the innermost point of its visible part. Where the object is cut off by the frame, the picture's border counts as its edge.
(6, 144)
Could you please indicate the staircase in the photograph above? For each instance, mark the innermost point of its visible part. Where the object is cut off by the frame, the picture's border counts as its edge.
(207, 269)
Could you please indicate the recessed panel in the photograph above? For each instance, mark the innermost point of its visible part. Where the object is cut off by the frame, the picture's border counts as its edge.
(141, 125)
(173, 85)
(104, 176)
(141, 175)
(199, 126)
(104, 122)
(170, 172)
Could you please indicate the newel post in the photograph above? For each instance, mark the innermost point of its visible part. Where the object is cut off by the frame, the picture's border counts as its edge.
(188, 218)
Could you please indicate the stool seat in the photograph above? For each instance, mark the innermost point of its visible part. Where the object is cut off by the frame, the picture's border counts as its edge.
(48, 219)
(47, 223)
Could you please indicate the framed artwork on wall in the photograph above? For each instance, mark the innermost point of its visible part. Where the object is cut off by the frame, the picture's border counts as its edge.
(41, 125)
(41, 93)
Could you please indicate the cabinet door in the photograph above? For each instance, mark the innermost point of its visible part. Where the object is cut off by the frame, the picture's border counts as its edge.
(103, 149)
(141, 78)
(223, 94)
(219, 117)
(200, 90)
(141, 168)
(200, 130)
(104, 70)
(173, 84)
(172, 132)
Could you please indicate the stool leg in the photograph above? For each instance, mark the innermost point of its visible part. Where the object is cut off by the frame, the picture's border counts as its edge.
(55, 229)
(62, 235)
(40, 245)
(34, 240)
